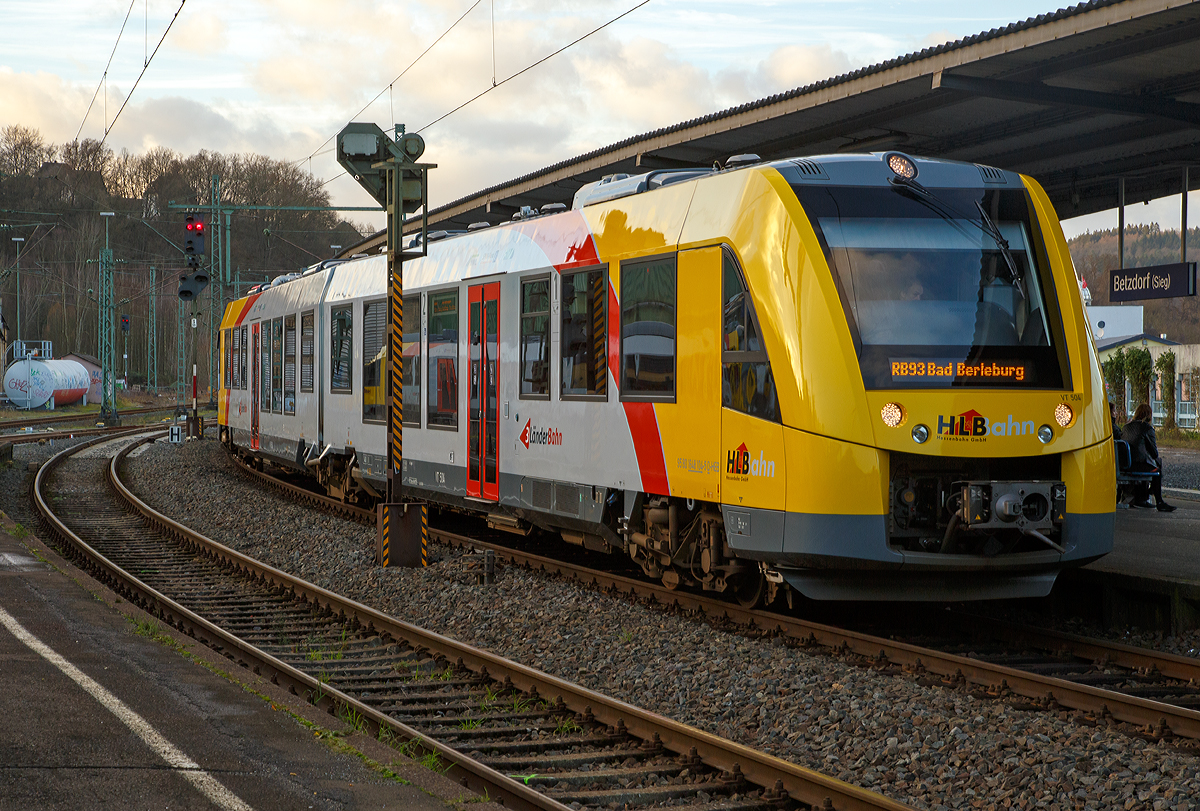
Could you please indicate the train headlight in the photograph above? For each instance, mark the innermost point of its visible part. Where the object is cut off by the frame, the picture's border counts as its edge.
(920, 433)
(1063, 414)
(893, 415)
(1045, 434)
(902, 166)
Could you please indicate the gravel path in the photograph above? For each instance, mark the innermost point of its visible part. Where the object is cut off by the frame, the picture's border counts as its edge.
(15, 478)
(930, 747)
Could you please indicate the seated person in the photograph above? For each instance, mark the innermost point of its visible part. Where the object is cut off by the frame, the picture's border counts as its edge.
(1112, 414)
(1143, 450)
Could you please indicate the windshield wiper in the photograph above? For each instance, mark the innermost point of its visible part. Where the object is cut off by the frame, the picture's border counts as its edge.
(949, 213)
(994, 231)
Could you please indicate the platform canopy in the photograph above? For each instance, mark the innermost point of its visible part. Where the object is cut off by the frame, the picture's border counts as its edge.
(1077, 98)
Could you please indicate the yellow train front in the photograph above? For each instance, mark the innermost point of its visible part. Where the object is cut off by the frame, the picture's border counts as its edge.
(928, 378)
(859, 377)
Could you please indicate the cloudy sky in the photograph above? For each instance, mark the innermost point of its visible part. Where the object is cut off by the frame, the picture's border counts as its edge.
(280, 77)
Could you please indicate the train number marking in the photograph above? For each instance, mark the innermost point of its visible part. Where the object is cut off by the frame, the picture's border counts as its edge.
(441, 477)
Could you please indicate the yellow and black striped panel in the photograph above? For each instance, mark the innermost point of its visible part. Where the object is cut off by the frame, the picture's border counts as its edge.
(396, 387)
(424, 534)
(599, 333)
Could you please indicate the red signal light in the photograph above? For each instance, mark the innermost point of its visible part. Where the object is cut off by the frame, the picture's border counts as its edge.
(190, 226)
(199, 226)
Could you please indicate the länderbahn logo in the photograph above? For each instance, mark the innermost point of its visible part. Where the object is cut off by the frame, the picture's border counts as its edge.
(970, 424)
(533, 435)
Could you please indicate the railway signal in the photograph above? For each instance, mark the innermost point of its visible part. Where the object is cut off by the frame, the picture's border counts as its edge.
(193, 240)
(124, 323)
(387, 169)
(192, 283)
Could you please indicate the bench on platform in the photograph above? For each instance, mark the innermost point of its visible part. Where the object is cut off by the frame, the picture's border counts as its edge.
(1128, 479)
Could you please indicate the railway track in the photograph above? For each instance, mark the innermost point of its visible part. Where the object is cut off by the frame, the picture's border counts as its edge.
(8, 426)
(23, 438)
(506, 731)
(1154, 696)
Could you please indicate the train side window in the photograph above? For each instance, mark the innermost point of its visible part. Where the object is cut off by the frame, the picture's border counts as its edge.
(245, 378)
(289, 364)
(443, 360)
(306, 351)
(648, 330)
(341, 349)
(226, 357)
(585, 335)
(412, 361)
(235, 358)
(374, 379)
(277, 366)
(264, 366)
(747, 384)
(535, 339)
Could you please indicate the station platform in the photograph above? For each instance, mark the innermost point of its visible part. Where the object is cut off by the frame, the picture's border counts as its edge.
(1151, 579)
(94, 715)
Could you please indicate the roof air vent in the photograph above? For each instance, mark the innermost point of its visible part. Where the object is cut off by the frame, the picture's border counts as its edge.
(742, 160)
(809, 168)
(613, 178)
(991, 174)
(554, 208)
(475, 226)
(434, 236)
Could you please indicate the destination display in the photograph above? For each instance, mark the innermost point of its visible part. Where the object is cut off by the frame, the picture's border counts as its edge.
(947, 370)
(1159, 281)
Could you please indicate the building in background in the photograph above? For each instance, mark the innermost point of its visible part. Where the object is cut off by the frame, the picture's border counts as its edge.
(93, 369)
(1115, 321)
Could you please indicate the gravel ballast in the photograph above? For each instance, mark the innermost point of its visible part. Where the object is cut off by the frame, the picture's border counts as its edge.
(926, 746)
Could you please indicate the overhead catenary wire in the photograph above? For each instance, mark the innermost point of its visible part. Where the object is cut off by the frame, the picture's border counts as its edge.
(108, 128)
(495, 84)
(534, 65)
(104, 76)
(398, 78)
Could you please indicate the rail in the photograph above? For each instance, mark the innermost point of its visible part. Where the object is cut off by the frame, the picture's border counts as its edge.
(781, 780)
(1160, 718)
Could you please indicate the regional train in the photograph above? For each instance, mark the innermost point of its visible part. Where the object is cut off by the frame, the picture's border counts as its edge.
(852, 377)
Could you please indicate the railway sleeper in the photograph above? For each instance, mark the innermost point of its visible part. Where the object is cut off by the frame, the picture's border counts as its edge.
(509, 727)
(549, 745)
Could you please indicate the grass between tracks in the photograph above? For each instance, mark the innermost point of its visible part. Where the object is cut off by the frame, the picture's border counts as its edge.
(334, 739)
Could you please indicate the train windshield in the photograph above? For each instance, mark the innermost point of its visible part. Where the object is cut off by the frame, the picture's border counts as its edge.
(942, 287)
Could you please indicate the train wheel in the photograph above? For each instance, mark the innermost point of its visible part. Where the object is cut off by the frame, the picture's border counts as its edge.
(749, 588)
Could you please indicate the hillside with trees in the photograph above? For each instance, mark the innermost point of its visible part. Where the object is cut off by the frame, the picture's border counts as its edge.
(1095, 254)
(52, 196)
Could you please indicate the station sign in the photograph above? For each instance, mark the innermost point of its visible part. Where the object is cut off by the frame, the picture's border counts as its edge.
(1159, 281)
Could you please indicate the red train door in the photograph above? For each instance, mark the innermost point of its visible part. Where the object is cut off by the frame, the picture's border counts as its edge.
(483, 441)
(255, 377)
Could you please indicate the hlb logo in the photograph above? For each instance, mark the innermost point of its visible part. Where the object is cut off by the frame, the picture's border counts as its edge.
(739, 463)
(969, 423)
(972, 424)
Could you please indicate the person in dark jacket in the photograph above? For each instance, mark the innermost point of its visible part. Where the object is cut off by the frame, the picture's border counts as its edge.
(1143, 450)
(1112, 413)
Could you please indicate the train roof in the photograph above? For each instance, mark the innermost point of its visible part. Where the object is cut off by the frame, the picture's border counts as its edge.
(532, 236)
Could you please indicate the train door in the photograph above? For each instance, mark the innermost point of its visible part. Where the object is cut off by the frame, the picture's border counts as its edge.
(255, 376)
(483, 442)
(752, 441)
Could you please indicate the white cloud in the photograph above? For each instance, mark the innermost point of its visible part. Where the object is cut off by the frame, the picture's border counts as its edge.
(44, 102)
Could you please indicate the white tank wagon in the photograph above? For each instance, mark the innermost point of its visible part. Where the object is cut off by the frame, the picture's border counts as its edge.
(34, 383)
